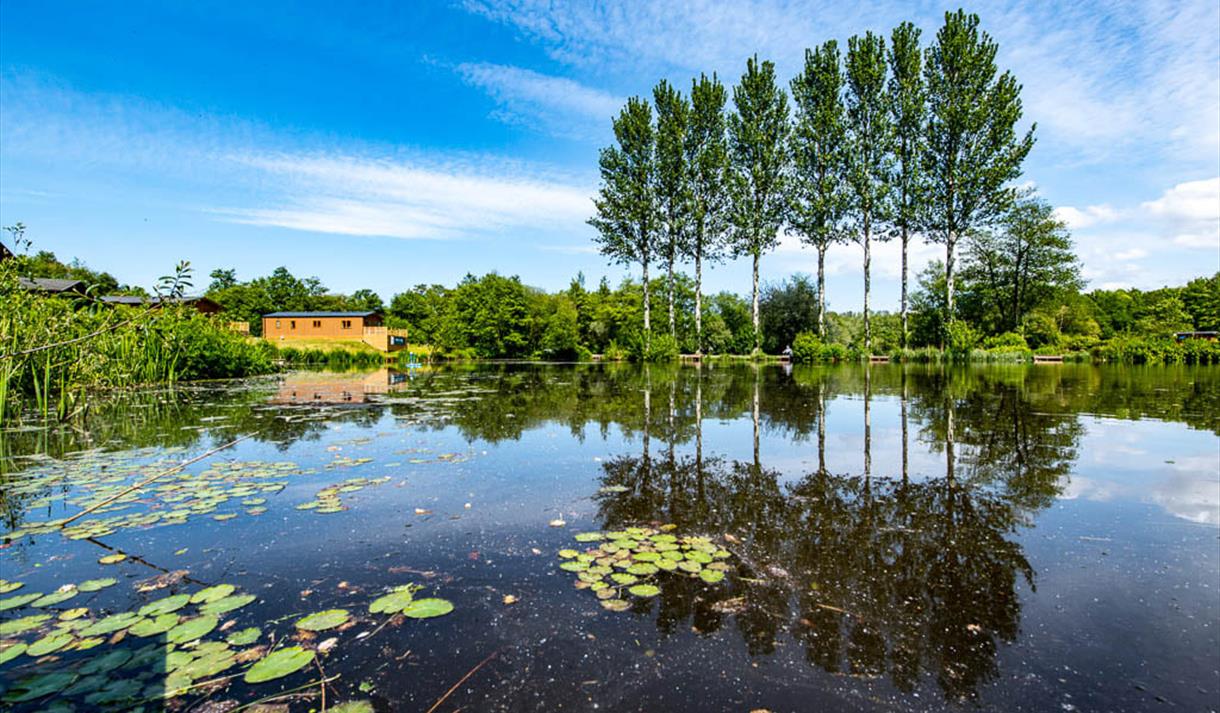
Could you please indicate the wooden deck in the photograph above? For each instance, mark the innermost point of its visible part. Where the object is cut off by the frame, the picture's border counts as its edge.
(1048, 358)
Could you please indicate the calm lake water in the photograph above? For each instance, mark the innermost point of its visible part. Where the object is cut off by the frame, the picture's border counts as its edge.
(890, 538)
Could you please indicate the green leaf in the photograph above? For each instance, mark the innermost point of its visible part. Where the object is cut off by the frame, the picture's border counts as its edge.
(588, 536)
(646, 556)
(393, 602)
(22, 625)
(211, 594)
(227, 604)
(165, 605)
(642, 568)
(428, 608)
(353, 707)
(31, 689)
(711, 576)
(615, 604)
(7, 586)
(59, 595)
(690, 566)
(48, 644)
(644, 590)
(110, 624)
(18, 601)
(245, 637)
(158, 625)
(572, 566)
(191, 629)
(209, 664)
(93, 585)
(105, 663)
(568, 554)
(623, 578)
(278, 664)
(112, 559)
(8, 653)
(323, 620)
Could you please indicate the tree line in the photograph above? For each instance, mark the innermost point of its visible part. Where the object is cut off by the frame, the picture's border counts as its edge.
(890, 140)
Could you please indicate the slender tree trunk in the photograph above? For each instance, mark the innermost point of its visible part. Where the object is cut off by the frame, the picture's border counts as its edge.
(669, 284)
(757, 375)
(905, 238)
(868, 423)
(950, 243)
(822, 425)
(647, 414)
(757, 335)
(868, 330)
(647, 311)
(905, 441)
(699, 300)
(822, 292)
(950, 459)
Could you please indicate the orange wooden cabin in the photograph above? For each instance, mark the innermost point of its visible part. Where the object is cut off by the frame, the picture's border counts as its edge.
(340, 326)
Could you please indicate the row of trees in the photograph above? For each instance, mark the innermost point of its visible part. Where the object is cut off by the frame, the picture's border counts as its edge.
(891, 141)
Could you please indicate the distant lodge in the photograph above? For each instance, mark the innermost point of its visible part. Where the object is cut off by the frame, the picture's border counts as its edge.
(343, 326)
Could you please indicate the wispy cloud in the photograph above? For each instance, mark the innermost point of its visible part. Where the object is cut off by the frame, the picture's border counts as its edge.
(559, 105)
(361, 196)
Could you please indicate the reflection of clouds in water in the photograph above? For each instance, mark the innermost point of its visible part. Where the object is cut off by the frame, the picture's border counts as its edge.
(1190, 497)
(1190, 490)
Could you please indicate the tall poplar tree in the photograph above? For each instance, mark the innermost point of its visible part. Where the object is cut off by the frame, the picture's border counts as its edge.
(908, 114)
(672, 181)
(707, 164)
(868, 149)
(626, 219)
(758, 132)
(818, 194)
(973, 149)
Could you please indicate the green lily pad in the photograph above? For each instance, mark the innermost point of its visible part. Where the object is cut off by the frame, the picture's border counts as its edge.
(711, 576)
(93, 585)
(22, 625)
(690, 566)
(227, 604)
(699, 556)
(157, 625)
(588, 536)
(8, 653)
(615, 604)
(624, 578)
(245, 637)
(72, 614)
(112, 559)
(573, 566)
(211, 594)
(646, 556)
(428, 608)
(278, 664)
(60, 595)
(88, 643)
(191, 629)
(568, 554)
(642, 568)
(18, 601)
(353, 707)
(111, 624)
(323, 620)
(105, 663)
(48, 644)
(644, 590)
(31, 689)
(209, 664)
(666, 564)
(165, 605)
(7, 586)
(392, 603)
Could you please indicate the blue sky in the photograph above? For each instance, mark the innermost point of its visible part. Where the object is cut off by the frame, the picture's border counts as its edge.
(387, 144)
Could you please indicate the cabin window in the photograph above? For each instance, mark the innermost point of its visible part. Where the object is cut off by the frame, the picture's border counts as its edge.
(347, 324)
(317, 323)
(277, 324)
(292, 324)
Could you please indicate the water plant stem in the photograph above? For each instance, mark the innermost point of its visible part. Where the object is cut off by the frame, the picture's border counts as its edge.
(155, 478)
(462, 680)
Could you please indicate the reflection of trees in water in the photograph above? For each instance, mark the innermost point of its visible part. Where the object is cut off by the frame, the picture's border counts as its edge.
(873, 576)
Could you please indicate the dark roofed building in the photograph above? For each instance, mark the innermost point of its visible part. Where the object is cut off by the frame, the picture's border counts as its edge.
(201, 304)
(51, 285)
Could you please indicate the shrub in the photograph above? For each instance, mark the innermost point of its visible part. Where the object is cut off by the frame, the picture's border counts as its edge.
(1005, 340)
(806, 348)
(960, 338)
(663, 347)
(614, 352)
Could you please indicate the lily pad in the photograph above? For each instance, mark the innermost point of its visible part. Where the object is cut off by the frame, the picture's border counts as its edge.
(392, 603)
(191, 629)
(589, 536)
(106, 662)
(7, 586)
(699, 556)
(72, 614)
(31, 689)
(690, 566)
(624, 578)
(209, 664)
(227, 604)
(323, 620)
(22, 625)
(245, 637)
(645, 590)
(711, 576)
(573, 566)
(8, 653)
(568, 554)
(93, 585)
(111, 624)
(112, 559)
(278, 664)
(428, 608)
(353, 707)
(49, 644)
(642, 568)
(165, 605)
(211, 594)
(18, 601)
(615, 604)
(646, 556)
(158, 625)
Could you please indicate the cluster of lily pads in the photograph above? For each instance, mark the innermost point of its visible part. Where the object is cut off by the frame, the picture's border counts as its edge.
(327, 499)
(171, 501)
(192, 647)
(631, 561)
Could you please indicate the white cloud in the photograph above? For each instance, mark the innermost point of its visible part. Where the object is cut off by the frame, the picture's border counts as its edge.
(1132, 254)
(1191, 212)
(560, 105)
(1077, 218)
(360, 196)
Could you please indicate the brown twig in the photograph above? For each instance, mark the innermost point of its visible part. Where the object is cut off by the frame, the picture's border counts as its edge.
(462, 680)
(156, 477)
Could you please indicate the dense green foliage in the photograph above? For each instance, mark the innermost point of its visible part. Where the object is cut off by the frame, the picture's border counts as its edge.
(280, 291)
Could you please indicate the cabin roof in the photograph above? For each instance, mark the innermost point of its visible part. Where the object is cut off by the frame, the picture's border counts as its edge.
(138, 300)
(51, 284)
(368, 313)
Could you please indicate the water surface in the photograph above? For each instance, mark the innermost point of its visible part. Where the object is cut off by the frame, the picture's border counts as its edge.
(896, 538)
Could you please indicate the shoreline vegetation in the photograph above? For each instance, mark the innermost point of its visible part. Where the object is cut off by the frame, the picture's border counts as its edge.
(887, 138)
